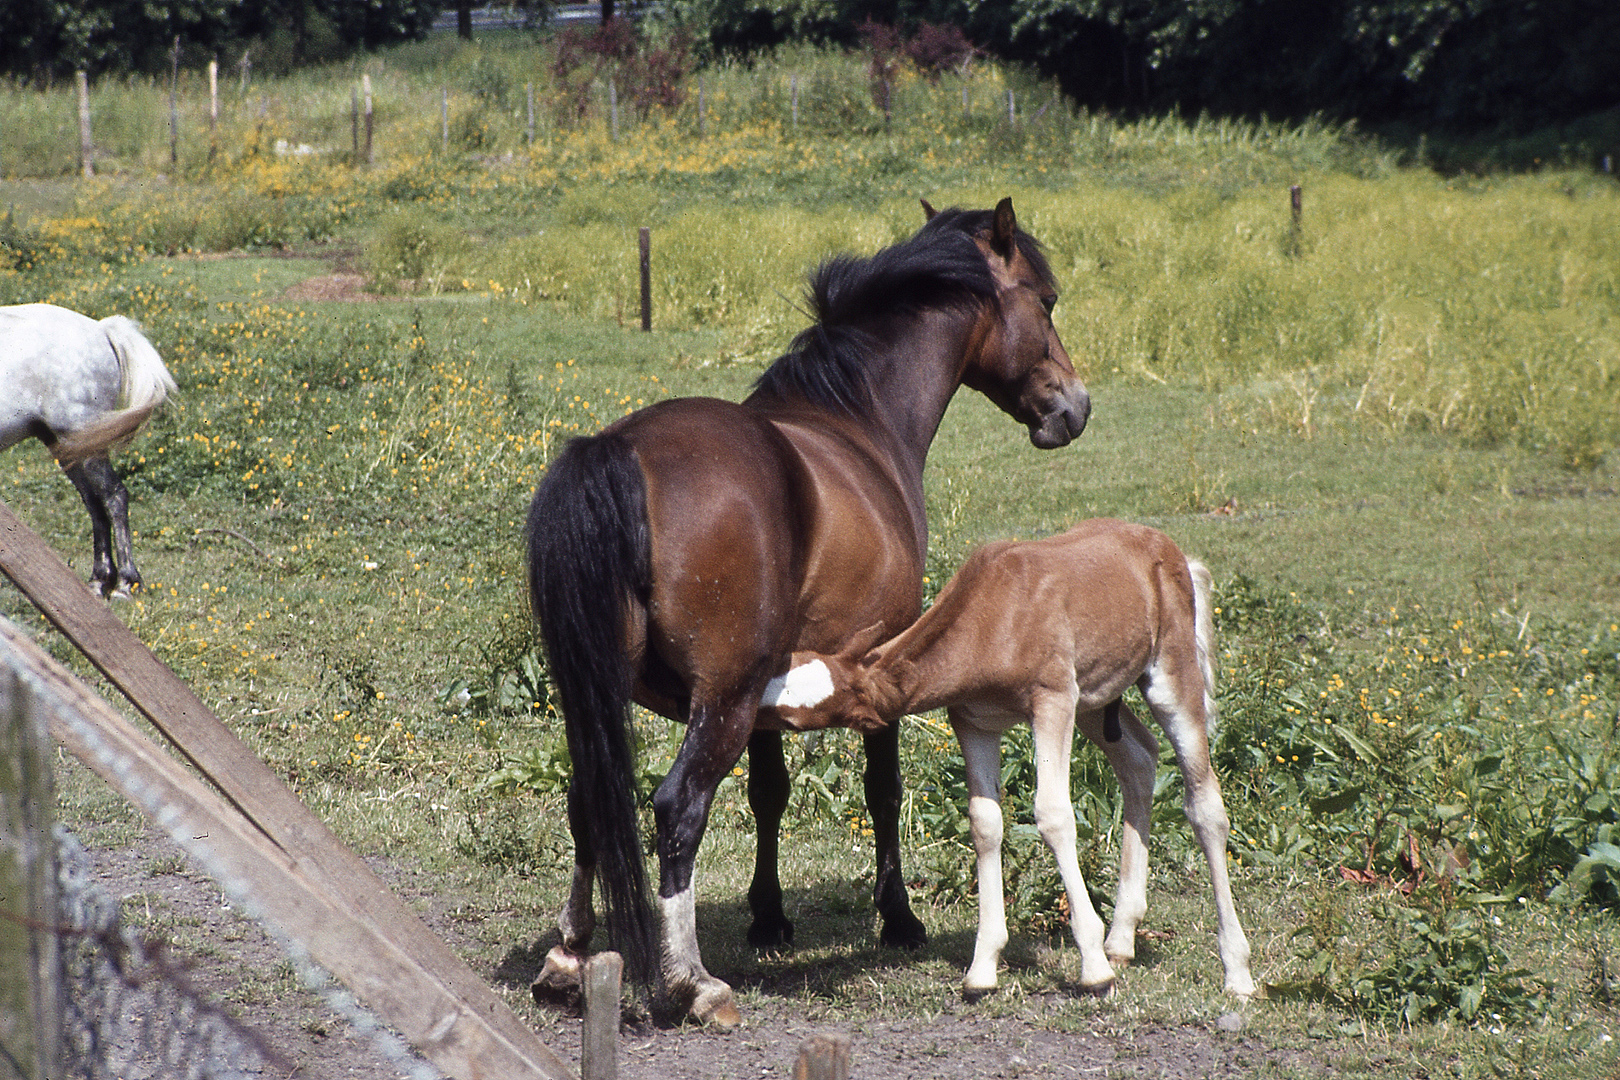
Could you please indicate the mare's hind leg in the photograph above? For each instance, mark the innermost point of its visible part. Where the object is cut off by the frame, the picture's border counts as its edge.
(1175, 692)
(716, 734)
(1135, 759)
(768, 790)
(92, 494)
(116, 499)
(901, 928)
(561, 977)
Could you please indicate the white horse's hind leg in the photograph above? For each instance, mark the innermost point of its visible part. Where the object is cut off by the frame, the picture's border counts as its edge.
(1054, 816)
(1180, 712)
(1135, 759)
(981, 752)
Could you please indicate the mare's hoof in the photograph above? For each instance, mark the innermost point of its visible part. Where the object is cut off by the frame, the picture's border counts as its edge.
(717, 1009)
(775, 933)
(903, 930)
(560, 981)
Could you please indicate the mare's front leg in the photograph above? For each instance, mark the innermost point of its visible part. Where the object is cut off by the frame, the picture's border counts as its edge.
(91, 493)
(717, 731)
(901, 928)
(1135, 758)
(768, 790)
(1053, 724)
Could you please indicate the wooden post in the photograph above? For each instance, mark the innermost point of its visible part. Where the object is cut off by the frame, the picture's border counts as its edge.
(365, 89)
(528, 91)
(793, 83)
(613, 108)
(246, 66)
(174, 112)
(1296, 207)
(444, 120)
(823, 1057)
(31, 988)
(646, 279)
(87, 153)
(354, 121)
(1012, 113)
(702, 96)
(964, 100)
(599, 1040)
(213, 97)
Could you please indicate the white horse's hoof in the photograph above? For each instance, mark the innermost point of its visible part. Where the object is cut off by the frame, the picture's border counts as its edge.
(715, 1007)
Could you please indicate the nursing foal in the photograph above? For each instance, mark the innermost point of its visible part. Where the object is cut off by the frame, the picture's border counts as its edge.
(1051, 632)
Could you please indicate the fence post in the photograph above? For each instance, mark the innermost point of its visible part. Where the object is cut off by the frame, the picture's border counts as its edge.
(823, 1057)
(702, 96)
(613, 106)
(1296, 208)
(794, 83)
(365, 89)
(31, 991)
(1012, 113)
(174, 112)
(599, 1041)
(646, 279)
(354, 122)
(528, 91)
(87, 153)
(444, 119)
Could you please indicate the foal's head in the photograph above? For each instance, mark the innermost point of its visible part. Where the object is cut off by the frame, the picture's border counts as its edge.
(849, 690)
(1019, 362)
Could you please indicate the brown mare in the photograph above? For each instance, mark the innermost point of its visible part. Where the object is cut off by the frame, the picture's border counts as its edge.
(1050, 633)
(679, 557)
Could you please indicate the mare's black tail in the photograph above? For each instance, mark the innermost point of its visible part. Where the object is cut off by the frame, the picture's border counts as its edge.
(589, 560)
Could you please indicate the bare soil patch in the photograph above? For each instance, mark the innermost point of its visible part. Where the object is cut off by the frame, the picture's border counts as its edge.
(229, 959)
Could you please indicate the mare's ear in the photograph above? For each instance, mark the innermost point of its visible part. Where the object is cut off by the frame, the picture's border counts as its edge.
(1004, 230)
(928, 211)
(860, 644)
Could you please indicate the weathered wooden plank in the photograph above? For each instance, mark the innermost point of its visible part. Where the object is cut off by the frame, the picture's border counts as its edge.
(823, 1057)
(30, 952)
(247, 783)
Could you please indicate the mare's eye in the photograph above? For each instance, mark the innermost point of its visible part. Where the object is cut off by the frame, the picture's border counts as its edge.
(1049, 302)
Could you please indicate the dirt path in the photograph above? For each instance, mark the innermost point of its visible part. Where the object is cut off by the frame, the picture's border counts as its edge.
(230, 960)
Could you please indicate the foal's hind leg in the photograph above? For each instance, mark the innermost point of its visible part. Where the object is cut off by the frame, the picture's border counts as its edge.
(768, 790)
(1135, 759)
(1175, 693)
(92, 490)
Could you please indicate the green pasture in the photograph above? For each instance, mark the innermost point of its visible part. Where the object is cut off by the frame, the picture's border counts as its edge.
(1390, 429)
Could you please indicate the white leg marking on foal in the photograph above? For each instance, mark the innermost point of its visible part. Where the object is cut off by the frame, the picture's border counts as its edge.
(803, 687)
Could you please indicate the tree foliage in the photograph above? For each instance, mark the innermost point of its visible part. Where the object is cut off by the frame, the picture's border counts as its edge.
(45, 39)
(1455, 64)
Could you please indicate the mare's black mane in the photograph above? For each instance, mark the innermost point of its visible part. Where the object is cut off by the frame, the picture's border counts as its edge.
(941, 266)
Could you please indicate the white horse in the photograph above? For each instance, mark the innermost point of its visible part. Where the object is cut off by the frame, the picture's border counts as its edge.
(1050, 633)
(82, 388)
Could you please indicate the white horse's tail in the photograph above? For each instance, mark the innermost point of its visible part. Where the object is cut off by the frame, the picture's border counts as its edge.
(146, 383)
(1204, 630)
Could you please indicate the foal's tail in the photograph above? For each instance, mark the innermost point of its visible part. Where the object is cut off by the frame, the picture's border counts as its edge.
(1204, 629)
(589, 564)
(146, 383)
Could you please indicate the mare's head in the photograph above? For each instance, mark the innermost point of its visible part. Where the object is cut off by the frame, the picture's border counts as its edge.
(1017, 360)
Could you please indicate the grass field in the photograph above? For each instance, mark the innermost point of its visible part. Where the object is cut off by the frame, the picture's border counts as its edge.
(1390, 433)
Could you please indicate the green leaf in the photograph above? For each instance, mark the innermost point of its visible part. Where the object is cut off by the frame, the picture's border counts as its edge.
(1338, 802)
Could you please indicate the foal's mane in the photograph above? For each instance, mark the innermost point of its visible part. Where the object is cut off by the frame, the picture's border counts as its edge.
(941, 266)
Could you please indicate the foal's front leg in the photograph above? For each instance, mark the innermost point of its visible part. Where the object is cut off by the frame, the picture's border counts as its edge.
(1053, 724)
(981, 754)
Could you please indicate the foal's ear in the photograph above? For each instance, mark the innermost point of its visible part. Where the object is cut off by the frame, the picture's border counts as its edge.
(1004, 230)
(860, 644)
(928, 211)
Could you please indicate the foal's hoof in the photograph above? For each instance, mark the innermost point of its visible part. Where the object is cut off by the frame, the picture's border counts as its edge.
(903, 930)
(1101, 989)
(560, 981)
(974, 994)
